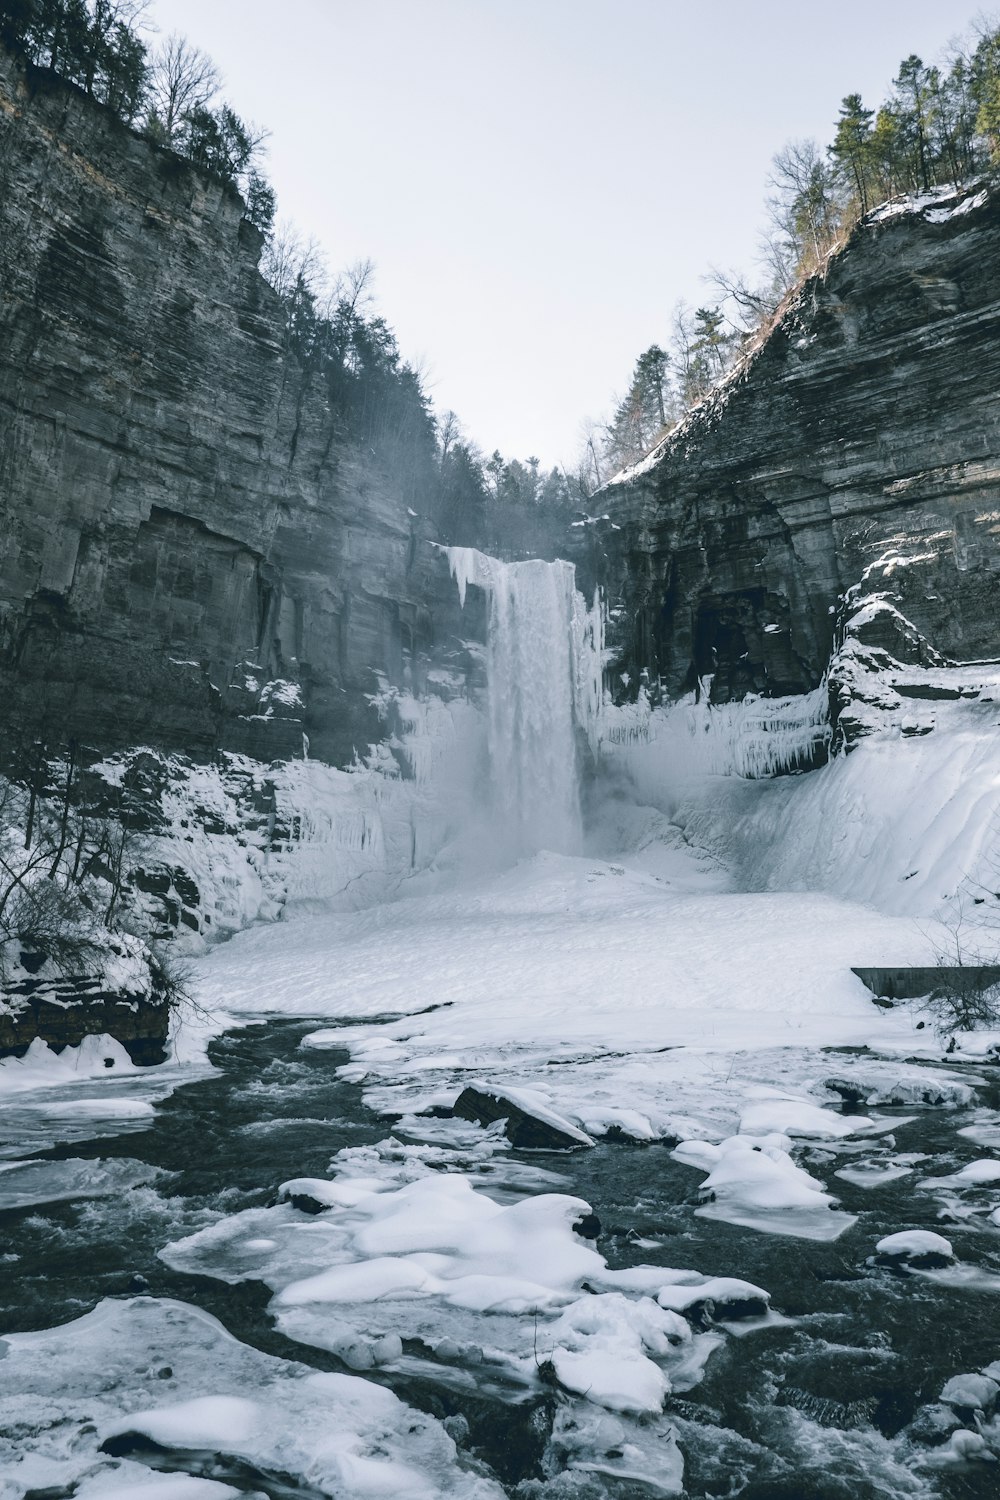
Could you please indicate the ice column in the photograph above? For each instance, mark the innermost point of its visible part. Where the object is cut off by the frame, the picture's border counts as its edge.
(544, 683)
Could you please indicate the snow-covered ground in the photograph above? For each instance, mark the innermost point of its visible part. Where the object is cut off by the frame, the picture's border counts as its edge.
(626, 998)
(678, 980)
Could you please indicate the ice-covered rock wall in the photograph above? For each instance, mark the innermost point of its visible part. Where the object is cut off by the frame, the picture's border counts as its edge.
(234, 841)
(543, 694)
(753, 738)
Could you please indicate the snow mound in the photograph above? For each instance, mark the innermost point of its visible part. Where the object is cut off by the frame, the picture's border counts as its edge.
(42, 1067)
(915, 1244)
(755, 1183)
(505, 1289)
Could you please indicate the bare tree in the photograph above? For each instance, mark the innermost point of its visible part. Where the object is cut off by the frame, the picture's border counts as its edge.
(181, 78)
(803, 206)
(449, 433)
(289, 260)
(746, 306)
(356, 286)
(594, 434)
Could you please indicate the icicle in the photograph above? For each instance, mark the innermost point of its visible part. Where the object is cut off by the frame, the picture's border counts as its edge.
(753, 738)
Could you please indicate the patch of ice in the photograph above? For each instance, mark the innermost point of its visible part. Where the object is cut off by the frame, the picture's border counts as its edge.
(26, 1182)
(772, 1111)
(171, 1372)
(758, 1185)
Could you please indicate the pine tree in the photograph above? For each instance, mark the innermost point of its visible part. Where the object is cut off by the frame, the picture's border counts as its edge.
(852, 148)
(915, 89)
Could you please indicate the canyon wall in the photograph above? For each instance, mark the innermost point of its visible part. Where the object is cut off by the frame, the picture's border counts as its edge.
(856, 453)
(192, 554)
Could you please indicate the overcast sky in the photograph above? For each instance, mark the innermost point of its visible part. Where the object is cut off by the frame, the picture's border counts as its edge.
(539, 181)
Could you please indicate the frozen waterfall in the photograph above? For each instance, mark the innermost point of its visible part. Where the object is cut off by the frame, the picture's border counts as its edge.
(544, 686)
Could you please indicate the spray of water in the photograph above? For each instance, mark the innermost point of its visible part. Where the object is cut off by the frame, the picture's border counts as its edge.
(544, 688)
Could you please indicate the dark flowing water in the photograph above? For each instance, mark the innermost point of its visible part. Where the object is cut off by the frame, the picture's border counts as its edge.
(863, 1350)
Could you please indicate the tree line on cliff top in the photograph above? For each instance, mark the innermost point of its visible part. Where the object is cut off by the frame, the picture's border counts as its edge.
(169, 92)
(939, 125)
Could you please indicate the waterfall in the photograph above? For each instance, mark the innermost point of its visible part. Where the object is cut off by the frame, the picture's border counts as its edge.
(543, 665)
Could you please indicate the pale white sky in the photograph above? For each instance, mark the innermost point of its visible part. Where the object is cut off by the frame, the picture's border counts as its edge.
(538, 181)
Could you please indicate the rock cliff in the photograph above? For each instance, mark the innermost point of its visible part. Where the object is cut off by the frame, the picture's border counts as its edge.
(855, 454)
(183, 519)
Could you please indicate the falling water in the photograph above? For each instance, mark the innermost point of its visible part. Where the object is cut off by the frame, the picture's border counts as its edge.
(544, 685)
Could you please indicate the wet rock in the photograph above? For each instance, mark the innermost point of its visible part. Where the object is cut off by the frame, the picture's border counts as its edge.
(588, 1227)
(720, 1299)
(967, 1394)
(850, 1091)
(306, 1204)
(457, 1428)
(310, 1195)
(933, 1425)
(529, 1125)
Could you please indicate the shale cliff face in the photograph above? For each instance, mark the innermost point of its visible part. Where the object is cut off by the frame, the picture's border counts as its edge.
(857, 453)
(181, 522)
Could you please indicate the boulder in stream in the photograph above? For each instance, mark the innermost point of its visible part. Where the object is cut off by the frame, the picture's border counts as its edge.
(530, 1125)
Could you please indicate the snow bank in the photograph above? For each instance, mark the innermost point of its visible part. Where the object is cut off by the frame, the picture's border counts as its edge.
(902, 822)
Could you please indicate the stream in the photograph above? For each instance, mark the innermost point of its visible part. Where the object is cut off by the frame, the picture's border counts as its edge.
(857, 1350)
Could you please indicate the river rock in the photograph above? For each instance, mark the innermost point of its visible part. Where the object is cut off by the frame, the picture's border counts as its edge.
(529, 1124)
(919, 1248)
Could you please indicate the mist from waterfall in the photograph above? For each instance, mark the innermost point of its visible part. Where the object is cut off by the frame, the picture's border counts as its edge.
(544, 691)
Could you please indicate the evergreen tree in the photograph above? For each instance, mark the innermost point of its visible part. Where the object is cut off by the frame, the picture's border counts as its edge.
(852, 149)
(955, 123)
(984, 89)
(915, 104)
(888, 152)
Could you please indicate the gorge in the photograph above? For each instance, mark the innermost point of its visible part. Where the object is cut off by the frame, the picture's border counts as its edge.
(602, 837)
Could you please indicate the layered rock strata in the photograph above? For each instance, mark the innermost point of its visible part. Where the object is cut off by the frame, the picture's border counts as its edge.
(183, 522)
(857, 449)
